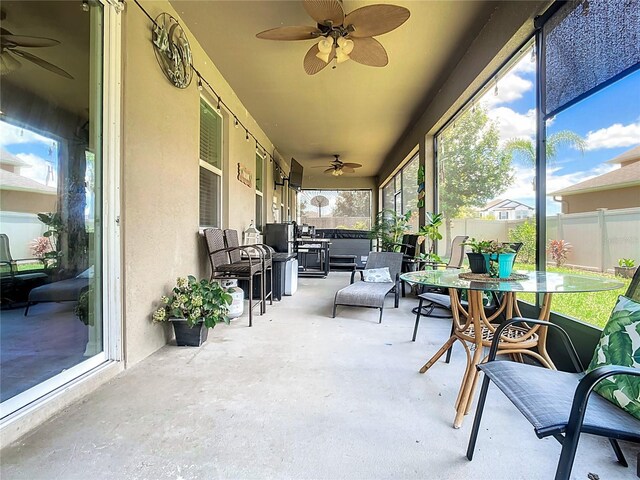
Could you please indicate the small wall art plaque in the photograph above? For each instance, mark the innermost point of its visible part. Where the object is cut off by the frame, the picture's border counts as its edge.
(244, 175)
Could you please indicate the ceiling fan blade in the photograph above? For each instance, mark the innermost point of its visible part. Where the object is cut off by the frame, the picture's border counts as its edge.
(301, 32)
(376, 20)
(325, 11)
(352, 165)
(26, 41)
(329, 170)
(319, 166)
(348, 170)
(369, 51)
(42, 63)
(313, 64)
(7, 63)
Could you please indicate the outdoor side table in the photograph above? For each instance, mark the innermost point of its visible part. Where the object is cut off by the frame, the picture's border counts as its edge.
(516, 341)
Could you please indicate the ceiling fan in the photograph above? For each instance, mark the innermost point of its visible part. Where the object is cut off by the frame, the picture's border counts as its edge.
(341, 36)
(337, 167)
(9, 44)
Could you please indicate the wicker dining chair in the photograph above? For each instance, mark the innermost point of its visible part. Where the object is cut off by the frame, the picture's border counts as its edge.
(265, 252)
(223, 268)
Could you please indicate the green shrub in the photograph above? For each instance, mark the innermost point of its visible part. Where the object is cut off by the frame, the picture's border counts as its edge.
(525, 233)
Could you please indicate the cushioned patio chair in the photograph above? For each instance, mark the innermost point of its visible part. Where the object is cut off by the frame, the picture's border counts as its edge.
(371, 294)
(562, 404)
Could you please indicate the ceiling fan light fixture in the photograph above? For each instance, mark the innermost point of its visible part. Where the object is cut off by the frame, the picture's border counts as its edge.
(346, 45)
(341, 55)
(325, 45)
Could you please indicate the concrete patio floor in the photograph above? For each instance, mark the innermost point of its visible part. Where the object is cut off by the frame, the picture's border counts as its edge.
(298, 395)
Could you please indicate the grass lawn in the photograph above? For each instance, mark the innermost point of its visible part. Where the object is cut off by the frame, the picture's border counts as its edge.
(592, 307)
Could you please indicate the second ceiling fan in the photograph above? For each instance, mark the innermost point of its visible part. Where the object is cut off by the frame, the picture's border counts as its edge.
(338, 167)
(341, 36)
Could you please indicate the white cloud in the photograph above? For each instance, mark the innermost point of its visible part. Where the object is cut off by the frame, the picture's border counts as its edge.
(558, 182)
(12, 135)
(38, 168)
(512, 124)
(617, 135)
(511, 87)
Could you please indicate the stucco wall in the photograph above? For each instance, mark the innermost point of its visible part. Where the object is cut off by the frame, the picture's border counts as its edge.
(612, 199)
(27, 202)
(160, 177)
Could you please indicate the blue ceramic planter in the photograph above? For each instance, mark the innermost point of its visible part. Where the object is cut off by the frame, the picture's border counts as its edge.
(499, 265)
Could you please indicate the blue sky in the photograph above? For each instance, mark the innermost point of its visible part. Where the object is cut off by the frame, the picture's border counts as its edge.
(609, 121)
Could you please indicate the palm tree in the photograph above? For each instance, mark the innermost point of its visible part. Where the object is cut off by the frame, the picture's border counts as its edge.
(525, 149)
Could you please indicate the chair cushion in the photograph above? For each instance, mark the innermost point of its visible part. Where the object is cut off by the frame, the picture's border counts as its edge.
(545, 396)
(377, 275)
(363, 294)
(620, 345)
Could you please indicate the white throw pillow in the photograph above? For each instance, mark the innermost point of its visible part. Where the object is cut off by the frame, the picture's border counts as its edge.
(377, 275)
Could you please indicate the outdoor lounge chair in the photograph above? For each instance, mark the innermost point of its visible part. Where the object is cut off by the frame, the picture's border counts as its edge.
(561, 404)
(63, 291)
(372, 294)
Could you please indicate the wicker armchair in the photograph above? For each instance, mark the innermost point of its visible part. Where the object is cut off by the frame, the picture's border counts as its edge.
(264, 252)
(222, 267)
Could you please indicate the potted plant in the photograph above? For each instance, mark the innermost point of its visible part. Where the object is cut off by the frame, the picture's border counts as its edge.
(477, 262)
(499, 259)
(559, 250)
(430, 230)
(389, 228)
(193, 308)
(626, 268)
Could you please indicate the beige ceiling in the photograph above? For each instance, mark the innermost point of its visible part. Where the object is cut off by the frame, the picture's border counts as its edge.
(354, 110)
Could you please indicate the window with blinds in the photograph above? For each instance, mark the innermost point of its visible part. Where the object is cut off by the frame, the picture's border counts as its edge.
(210, 166)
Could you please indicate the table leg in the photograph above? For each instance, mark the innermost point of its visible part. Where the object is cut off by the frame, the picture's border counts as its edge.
(545, 311)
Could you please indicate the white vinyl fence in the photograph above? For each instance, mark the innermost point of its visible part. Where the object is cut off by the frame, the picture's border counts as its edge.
(598, 238)
(22, 229)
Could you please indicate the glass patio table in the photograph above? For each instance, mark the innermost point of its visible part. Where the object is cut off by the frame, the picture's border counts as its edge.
(515, 340)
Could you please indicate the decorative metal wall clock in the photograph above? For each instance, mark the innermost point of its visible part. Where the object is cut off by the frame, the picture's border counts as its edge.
(172, 50)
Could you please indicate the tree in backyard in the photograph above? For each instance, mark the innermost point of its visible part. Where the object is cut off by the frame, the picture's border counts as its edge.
(524, 149)
(352, 203)
(472, 168)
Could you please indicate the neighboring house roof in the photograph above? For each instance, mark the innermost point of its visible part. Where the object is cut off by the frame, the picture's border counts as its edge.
(504, 204)
(7, 158)
(630, 155)
(627, 176)
(13, 181)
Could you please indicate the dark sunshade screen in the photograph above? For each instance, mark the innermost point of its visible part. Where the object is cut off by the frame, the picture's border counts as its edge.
(587, 44)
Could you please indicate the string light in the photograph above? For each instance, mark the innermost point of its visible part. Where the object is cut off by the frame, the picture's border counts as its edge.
(85, 5)
(495, 90)
(533, 54)
(202, 82)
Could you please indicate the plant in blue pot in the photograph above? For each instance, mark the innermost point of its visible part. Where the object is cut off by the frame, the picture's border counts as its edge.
(499, 259)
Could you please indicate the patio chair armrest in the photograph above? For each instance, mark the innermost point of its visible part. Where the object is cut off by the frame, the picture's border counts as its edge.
(584, 389)
(566, 340)
(243, 248)
(265, 249)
